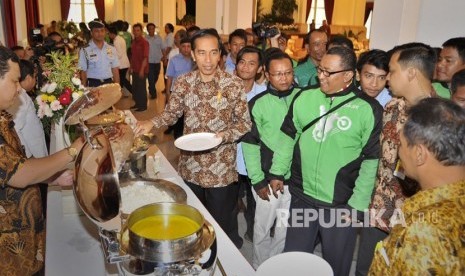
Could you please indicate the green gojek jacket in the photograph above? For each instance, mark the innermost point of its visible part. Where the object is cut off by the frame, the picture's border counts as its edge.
(334, 162)
(267, 112)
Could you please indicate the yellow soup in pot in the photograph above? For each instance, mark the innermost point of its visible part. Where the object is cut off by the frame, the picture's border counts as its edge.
(165, 227)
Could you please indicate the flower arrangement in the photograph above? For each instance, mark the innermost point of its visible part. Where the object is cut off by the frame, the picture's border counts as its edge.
(61, 87)
(67, 28)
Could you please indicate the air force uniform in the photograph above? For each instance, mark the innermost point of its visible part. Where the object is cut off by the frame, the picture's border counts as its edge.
(98, 63)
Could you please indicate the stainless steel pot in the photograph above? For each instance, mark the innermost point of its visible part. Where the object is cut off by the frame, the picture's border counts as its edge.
(165, 251)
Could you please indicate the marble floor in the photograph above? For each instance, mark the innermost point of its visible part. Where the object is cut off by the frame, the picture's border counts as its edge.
(166, 144)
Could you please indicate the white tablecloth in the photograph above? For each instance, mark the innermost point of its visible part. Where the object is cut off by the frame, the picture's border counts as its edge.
(73, 247)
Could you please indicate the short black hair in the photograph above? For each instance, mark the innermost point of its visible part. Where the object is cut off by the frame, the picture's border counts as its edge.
(138, 25)
(26, 68)
(307, 36)
(438, 124)
(340, 40)
(458, 80)
(170, 27)
(375, 57)
(276, 56)
(348, 58)
(112, 29)
(241, 33)
(251, 49)
(150, 24)
(457, 43)
(192, 29)
(17, 47)
(422, 58)
(205, 33)
(6, 55)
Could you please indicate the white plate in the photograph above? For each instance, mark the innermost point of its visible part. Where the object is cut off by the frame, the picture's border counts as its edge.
(296, 263)
(197, 141)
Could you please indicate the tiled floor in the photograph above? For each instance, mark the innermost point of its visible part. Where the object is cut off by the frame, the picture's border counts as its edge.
(166, 145)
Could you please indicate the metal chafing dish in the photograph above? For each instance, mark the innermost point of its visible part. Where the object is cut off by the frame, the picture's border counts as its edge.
(97, 189)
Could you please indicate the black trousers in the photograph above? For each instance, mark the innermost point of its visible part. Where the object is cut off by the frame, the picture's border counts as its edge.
(245, 189)
(369, 236)
(221, 203)
(97, 82)
(154, 72)
(139, 91)
(337, 243)
(123, 81)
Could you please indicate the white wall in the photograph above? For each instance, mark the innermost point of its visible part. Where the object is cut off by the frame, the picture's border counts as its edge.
(429, 21)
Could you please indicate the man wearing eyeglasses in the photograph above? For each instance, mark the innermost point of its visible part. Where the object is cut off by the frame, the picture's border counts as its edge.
(268, 110)
(330, 142)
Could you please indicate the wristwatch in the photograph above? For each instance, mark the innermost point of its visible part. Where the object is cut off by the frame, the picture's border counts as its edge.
(72, 152)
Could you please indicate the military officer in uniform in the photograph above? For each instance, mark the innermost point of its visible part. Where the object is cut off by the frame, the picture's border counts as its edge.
(98, 61)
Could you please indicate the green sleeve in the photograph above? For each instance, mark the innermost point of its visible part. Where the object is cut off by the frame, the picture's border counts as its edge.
(282, 158)
(364, 185)
(251, 151)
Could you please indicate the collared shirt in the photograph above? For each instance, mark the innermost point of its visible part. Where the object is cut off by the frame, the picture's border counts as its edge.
(120, 46)
(229, 65)
(177, 66)
(383, 97)
(430, 238)
(22, 219)
(216, 106)
(305, 74)
(139, 51)
(256, 89)
(28, 126)
(98, 62)
(388, 194)
(442, 89)
(169, 41)
(155, 44)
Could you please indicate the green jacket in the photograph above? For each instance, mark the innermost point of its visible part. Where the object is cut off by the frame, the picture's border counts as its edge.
(306, 74)
(442, 90)
(267, 112)
(334, 162)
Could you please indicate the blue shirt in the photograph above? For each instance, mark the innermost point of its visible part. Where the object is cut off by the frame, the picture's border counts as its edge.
(256, 89)
(229, 65)
(98, 62)
(155, 46)
(177, 66)
(384, 97)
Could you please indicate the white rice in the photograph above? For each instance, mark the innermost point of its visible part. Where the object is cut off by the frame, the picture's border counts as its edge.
(135, 196)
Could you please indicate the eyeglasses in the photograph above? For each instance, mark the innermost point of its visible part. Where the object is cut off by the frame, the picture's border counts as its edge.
(279, 75)
(326, 73)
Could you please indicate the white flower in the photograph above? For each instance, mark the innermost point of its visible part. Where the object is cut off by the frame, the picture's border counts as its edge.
(75, 96)
(39, 100)
(40, 112)
(76, 81)
(44, 87)
(47, 110)
(51, 88)
(55, 105)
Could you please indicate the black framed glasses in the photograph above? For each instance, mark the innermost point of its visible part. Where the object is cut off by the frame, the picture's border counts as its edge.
(327, 73)
(278, 75)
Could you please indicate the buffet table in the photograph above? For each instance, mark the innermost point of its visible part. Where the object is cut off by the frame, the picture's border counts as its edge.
(73, 246)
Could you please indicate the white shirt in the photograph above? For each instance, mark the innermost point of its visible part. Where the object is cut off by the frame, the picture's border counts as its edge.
(28, 126)
(240, 164)
(120, 45)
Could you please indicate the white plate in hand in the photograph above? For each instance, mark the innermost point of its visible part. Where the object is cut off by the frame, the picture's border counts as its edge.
(197, 141)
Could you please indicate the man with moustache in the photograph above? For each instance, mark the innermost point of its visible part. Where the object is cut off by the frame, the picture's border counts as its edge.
(330, 143)
(450, 60)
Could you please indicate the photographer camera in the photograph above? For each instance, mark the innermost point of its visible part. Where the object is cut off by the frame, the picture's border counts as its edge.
(264, 31)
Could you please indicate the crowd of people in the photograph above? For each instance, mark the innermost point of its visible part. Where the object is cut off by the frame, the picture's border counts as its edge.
(323, 149)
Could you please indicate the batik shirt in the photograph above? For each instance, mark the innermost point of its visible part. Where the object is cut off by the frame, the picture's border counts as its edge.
(216, 106)
(22, 235)
(388, 195)
(431, 239)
